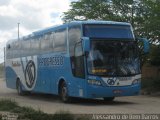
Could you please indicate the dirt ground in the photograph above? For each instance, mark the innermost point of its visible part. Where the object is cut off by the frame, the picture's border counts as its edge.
(51, 104)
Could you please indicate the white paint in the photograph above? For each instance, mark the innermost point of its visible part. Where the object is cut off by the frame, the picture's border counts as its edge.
(19, 69)
(122, 81)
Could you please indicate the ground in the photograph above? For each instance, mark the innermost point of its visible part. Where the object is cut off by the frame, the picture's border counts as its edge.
(51, 104)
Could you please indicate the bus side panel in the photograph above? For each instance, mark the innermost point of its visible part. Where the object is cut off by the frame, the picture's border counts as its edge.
(58, 72)
(10, 74)
(24, 69)
(43, 84)
(38, 85)
(10, 77)
(50, 73)
(76, 86)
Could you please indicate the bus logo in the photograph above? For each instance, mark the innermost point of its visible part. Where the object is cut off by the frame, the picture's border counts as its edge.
(111, 81)
(30, 74)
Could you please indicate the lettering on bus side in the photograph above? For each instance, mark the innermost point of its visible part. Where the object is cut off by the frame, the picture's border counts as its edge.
(16, 63)
(51, 61)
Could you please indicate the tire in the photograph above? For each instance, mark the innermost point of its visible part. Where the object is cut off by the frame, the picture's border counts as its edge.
(108, 99)
(64, 93)
(19, 88)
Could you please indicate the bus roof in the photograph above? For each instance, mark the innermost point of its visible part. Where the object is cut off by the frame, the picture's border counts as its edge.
(99, 22)
(53, 28)
(50, 29)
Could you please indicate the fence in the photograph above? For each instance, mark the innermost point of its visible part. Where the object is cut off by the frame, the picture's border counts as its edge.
(150, 72)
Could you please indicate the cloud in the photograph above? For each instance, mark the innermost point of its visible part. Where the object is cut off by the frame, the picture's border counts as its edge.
(3, 41)
(31, 14)
(4, 2)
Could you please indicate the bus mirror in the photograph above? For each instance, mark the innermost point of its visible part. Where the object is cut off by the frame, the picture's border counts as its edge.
(86, 44)
(145, 45)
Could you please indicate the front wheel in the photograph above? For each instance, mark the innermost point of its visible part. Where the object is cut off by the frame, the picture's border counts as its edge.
(64, 93)
(108, 99)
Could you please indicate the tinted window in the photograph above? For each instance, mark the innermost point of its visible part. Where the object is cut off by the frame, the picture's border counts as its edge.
(74, 36)
(60, 39)
(46, 43)
(13, 49)
(26, 47)
(26, 44)
(108, 31)
(79, 61)
(35, 45)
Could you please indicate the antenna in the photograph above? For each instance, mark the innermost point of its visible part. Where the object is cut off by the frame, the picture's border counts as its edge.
(18, 30)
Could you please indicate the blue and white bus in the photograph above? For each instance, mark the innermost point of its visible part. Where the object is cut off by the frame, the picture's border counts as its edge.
(85, 59)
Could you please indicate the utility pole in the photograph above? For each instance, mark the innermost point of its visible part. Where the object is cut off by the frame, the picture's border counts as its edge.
(18, 30)
(4, 64)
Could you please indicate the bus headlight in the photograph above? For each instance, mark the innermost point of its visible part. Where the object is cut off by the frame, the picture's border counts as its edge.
(136, 81)
(94, 82)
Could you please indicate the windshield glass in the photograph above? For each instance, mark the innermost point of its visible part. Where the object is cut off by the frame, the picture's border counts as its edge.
(113, 58)
(108, 31)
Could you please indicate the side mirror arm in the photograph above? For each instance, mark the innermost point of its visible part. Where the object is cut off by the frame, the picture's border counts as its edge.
(86, 44)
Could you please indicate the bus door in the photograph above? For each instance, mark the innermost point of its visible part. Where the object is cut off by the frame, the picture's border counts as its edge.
(79, 71)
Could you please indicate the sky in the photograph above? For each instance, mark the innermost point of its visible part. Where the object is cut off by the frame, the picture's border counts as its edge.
(31, 14)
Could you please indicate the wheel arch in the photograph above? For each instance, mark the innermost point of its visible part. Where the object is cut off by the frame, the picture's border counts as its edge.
(17, 80)
(61, 80)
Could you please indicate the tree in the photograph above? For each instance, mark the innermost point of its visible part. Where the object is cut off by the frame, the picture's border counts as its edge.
(154, 56)
(88, 9)
(151, 18)
(144, 15)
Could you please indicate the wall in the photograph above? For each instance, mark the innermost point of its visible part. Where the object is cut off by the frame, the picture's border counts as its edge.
(150, 72)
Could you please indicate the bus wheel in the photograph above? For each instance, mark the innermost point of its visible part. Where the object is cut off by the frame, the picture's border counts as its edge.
(109, 99)
(19, 88)
(64, 93)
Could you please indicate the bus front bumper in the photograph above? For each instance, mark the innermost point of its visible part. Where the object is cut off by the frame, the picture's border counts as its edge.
(104, 91)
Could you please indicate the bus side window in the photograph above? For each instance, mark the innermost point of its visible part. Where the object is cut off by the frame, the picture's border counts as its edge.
(52, 39)
(79, 61)
(8, 50)
(60, 38)
(46, 43)
(16, 49)
(35, 45)
(26, 47)
(74, 35)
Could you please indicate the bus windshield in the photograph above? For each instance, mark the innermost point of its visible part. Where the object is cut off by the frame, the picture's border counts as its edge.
(108, 31)
(113, 58)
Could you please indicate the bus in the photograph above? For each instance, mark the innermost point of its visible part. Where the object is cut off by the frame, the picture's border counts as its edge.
(81, 59)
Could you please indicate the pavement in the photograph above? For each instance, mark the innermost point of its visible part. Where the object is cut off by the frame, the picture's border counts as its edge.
(50, 104)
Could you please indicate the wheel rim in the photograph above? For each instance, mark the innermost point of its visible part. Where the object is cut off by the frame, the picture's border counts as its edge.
(19, 89)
